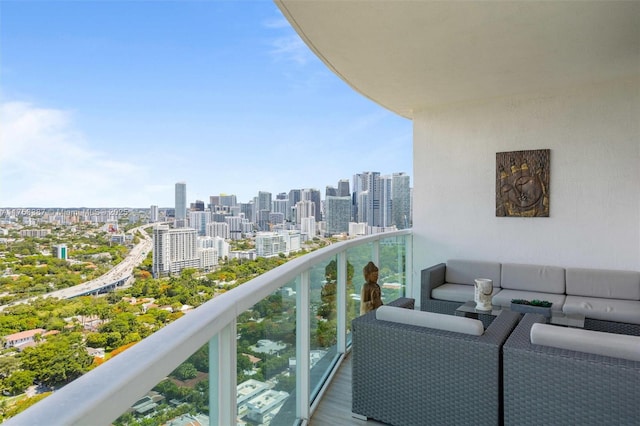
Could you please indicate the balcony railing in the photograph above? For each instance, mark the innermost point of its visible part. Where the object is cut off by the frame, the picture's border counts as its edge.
(262, 352)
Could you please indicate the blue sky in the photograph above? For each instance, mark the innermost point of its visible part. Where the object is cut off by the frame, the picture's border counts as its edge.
(110, 103)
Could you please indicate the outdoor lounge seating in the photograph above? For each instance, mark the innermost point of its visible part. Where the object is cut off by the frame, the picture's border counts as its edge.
(407, 374)
(600, 295)
(544, 384)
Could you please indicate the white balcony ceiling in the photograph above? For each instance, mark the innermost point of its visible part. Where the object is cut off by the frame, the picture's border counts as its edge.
(414, 55)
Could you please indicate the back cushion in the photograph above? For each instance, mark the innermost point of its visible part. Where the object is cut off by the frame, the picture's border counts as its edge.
(540, 278)
(466, 271)
(589, 341)
(604, 283)
(430, 320)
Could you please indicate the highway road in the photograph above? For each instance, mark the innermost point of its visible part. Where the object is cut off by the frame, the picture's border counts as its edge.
(119, 275)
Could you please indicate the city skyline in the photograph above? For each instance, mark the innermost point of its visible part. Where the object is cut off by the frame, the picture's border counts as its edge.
(112, 103)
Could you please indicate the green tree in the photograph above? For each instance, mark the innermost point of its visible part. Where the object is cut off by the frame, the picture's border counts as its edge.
(58, 360)
(19, 381)
(185, 371)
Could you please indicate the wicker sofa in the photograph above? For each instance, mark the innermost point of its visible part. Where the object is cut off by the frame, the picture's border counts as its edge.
(553, 385)
(413, 375)
(600, 295)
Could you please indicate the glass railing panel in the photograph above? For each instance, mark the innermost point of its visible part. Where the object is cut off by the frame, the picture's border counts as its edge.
(323, 322)
(181, 397)
(266, 360)
(392, 267)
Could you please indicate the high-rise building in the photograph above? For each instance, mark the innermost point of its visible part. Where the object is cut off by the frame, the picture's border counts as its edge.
(401, 209)
(198, 220)
(359, 186)
(386, 201)
(313, 195)
(228, 200)
(60, 251)
(361, 203)
(263, 201)
(181, 205)
(218, 229)
(338, 214)
(174, 250)
(197, 206)
(295, 195)
(214, 202)
(262, 220)
(330, 191)
(374, 217)
(308, 227)
(235, 226)
(343, 188)
(280, 206)
(153, 214)
(304, 209)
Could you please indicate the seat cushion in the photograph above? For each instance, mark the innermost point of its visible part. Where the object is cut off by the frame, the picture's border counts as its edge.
(466, 271)
(430, 320)
(504, 297)
(604, 309)
(609, 284)
(540, 278)
(456, 292)
(589, 341)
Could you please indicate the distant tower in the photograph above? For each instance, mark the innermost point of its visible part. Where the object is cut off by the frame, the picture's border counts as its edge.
(343, 188)
(198, 206)
(153, 214)
(401, 209)
(338, 214)
(181, 205)
(60, 251)
(386, 200)
(174, 250)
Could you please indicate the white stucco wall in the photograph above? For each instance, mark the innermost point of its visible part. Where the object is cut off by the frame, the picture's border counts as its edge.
(594, 137)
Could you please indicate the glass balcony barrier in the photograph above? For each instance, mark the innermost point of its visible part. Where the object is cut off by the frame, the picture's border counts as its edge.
(260, 354)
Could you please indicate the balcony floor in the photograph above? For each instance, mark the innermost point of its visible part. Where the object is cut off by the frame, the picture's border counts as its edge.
(335, 406)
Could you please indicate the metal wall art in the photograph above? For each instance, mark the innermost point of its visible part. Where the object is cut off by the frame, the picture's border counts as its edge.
(522, 183)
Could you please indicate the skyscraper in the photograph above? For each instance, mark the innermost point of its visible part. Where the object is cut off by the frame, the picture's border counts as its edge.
(311, 194)
(338, 214)
(174, 250)
(181, 205)
(401, 209)
(386, 200)
(153, 214)
(294, 196)
(343, 188)
(374, 217)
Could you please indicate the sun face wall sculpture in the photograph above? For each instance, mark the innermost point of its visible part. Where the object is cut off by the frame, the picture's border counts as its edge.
(522, 183)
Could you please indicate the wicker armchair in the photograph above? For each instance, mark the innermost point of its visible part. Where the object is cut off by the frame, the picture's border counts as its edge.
(549, 386)
(410, 375)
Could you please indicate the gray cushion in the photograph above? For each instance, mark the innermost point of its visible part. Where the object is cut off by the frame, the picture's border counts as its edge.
(504, 297)
(466, 271)
(609, 284)
(456, 292)
(603, 309)
(540, 278)
(589, 341)
(430, 320)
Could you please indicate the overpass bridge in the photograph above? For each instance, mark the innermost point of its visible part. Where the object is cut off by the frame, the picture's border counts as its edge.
(119, 276)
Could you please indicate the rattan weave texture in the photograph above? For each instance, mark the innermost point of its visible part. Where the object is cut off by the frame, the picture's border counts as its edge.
(550, 386)
(408, 375)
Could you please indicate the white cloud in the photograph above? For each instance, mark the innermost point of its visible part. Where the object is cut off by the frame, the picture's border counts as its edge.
(290, 48)
(279, 22)
(45, 161)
